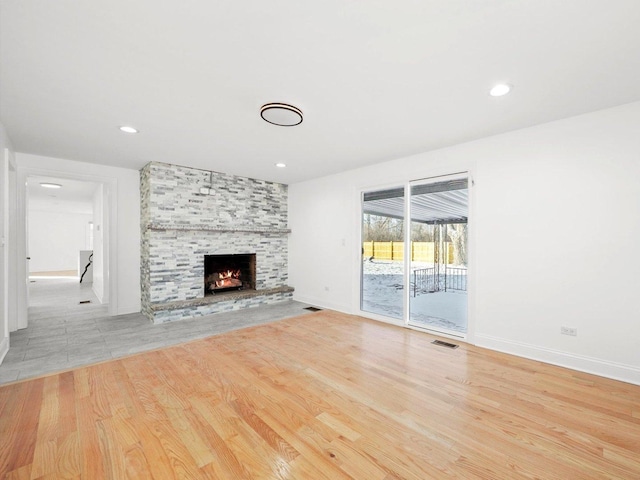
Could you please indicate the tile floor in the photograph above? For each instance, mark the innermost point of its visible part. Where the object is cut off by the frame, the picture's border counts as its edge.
(63, 333)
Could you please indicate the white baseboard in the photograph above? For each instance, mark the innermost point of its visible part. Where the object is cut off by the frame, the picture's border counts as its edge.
(322, 304)
(4, 348)
(603, 368)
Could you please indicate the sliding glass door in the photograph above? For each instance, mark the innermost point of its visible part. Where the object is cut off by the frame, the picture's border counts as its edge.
(418, 276)
(438, 273)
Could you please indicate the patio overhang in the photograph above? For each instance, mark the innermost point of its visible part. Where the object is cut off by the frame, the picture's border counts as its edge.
(435, 203)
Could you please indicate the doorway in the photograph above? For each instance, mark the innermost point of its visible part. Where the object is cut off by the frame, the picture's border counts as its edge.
(66, 225)
(415, 254)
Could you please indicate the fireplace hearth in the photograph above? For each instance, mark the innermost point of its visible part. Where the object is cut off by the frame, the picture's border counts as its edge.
(224, 273)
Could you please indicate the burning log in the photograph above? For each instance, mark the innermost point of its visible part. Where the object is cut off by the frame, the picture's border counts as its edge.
(224, 280)
(228, 282)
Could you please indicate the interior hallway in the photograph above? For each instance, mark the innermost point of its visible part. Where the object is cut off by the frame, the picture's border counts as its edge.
(64, 333)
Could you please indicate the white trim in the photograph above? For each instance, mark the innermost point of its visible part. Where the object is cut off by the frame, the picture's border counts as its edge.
(4, 244)
(582, 363)
(103, 294)
(4, 348)
(356, 299)
(471, 256)
(12, 241)
(406, 259)
(111, 199)
(22, 273)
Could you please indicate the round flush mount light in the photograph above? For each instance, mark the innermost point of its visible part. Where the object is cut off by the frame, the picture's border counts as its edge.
(50, 185)
(281, 114)
(128, 129)
(281, 165)
(500, 90)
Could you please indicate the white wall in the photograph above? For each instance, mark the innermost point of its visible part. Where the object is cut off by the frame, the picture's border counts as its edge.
(554, 226)
(55, 239)
(123, 195)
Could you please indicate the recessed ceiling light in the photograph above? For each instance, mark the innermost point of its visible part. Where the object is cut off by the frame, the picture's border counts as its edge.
(281, 114)
(50, 185)
(500, 90)
(127, 129)
(281, 165)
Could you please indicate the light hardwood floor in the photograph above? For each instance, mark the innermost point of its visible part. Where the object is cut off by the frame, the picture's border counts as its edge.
(324, 396)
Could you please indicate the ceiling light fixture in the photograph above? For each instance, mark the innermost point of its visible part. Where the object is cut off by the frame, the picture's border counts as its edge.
(500, 90)
(50, 185)
(281, 114)
(127, 129)
(281, 165)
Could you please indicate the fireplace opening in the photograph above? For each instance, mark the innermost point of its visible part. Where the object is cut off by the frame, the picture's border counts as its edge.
(223, 273)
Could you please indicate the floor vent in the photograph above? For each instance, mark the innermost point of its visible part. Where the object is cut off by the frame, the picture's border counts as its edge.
(444, 344)
(84, 301)
(313, 309)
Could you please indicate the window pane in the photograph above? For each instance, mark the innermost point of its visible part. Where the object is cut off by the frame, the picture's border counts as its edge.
(383, 253)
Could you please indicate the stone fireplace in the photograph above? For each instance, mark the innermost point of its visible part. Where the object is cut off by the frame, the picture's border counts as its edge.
(184, 228)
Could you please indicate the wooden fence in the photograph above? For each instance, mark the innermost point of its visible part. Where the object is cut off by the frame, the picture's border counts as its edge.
(420, 251)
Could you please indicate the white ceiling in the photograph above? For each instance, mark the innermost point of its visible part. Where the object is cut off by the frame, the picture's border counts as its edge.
(376, 80)
(74, 197)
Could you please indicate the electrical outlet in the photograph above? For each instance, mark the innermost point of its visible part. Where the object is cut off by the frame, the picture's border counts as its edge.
(569, 331)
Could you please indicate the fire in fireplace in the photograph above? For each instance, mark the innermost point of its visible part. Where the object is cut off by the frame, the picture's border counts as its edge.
(229, 272)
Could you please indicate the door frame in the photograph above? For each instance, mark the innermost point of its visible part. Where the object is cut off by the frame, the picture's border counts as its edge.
(466, 171)
(110, 213)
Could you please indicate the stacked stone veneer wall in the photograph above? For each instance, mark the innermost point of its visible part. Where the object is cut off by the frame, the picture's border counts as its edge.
(180, 226)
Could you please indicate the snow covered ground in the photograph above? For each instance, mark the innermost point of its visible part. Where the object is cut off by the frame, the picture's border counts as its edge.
(383, 294)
